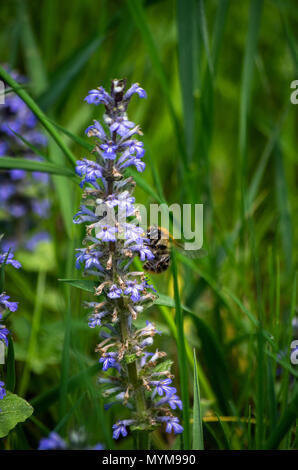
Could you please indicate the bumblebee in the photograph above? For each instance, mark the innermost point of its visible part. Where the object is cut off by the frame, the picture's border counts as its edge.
(160, 242)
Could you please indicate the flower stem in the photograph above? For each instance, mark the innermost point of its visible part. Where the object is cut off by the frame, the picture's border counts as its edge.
(133, 378)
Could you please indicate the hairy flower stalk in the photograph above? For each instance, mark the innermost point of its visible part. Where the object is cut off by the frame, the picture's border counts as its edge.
(113, 239)
(6, 306)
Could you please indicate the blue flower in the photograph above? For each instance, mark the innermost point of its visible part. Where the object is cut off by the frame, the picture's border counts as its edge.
(95, 319)
(8, 258)
(91, 170)
(120, 428)
(132, 233)
(135, 88)
(136, 147)
(41, 208)
(17, 209)
(6, 191)
(52, 442)
(144, 251)
(134, 290)
(107, 233)
(109, 150)
(17, 174)
(4, 332)
(17, 186)
(114, 292)
(2, 390)
(172, 400)
(84, 215)
(125, 203)
(172, 424)
(98, 96)
(96, 130)
(36, 239)
(97, 447)
(91, 260)
(108, 360)
(134, 161)
(162, 387)
(121, 126)
(12, 306)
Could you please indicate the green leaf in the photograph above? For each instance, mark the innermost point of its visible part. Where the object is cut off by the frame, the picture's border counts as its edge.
(14, 410)
(167, 301)
(198, 441)
(82, 284)
(163, 366)
(32, 165)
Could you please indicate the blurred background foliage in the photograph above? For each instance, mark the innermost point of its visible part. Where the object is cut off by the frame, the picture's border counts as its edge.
(219, 129)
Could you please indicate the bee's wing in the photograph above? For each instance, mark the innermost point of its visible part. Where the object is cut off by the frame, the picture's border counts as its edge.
(192, 254)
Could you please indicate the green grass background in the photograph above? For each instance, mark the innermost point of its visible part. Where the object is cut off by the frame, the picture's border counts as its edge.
(219, 129)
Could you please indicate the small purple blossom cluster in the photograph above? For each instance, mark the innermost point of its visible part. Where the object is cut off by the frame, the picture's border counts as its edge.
(77, 441)
(23, 198)
(6, 305)
(113, 239)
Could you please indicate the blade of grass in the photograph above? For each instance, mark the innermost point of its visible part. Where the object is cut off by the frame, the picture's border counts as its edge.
(32, 165)
(43, 401)
(218, 372)
(181, 356)
(139, 16)
(283, 207)
(246, 85)
(248, 66)
(34, 66)
(204, 35)
(10, 379)
(65, 192)
(198, 439)
(65, 360)
(63, 421)
(284, 425)
(40, 291)
(68, 71)
(185, 26)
